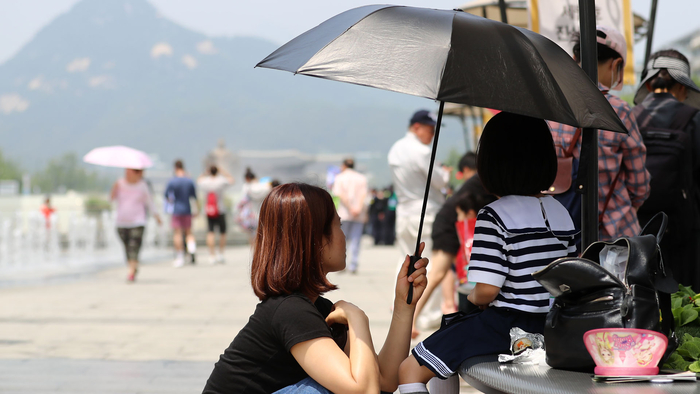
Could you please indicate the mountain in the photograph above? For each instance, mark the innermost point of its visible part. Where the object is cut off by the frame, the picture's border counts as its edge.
(116, 72)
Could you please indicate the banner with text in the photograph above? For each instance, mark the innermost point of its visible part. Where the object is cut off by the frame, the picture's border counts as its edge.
(558, 20)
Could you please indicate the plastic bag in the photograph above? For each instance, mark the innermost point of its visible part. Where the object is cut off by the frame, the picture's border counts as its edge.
(526, 348)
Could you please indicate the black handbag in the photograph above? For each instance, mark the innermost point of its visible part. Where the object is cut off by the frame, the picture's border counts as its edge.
(587, 296)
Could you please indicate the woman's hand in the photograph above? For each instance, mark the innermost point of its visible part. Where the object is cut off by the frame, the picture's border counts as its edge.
(343, 312)
(417, 279)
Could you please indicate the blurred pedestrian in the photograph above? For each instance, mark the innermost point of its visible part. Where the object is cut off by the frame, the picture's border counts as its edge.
(389, 227)
(351, 188)
(623, 181)
(47, 210)
(179, 191)
(254, 192)
(409, 159)
(213, 184)
(671, 132)
(134, 204)
(376, 215)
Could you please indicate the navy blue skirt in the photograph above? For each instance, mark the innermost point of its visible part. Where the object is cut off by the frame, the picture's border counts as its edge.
(462, 336)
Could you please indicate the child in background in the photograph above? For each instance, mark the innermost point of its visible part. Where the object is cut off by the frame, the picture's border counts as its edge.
(520, 233)
(468, 205)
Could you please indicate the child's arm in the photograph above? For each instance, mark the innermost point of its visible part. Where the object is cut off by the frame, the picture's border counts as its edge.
(482, 294)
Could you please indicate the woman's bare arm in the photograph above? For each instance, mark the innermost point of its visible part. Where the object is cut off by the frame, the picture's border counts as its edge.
(398, 339)
(328, 365)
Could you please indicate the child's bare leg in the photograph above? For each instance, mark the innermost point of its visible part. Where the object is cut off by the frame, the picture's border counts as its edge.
(413, 376)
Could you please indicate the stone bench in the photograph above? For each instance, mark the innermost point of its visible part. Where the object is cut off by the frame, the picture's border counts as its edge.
(487, 375)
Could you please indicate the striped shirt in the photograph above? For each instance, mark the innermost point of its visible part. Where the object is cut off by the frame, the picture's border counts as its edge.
(617, 153)
(514, 237)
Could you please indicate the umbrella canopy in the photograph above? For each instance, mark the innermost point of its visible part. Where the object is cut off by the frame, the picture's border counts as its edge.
(450, 56)
(118, 156)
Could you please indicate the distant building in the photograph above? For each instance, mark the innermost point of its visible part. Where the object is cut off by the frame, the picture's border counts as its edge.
(289, 165)
(223, 159)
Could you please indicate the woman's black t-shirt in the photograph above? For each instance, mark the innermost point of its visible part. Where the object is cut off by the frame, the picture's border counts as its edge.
(259, 358)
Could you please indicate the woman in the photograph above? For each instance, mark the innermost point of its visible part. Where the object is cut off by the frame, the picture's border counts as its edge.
(134, 203)
(298, 340)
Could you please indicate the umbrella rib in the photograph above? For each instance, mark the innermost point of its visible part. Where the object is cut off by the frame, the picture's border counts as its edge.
(549, 73)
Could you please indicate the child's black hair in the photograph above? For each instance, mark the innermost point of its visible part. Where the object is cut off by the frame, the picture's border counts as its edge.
(516, 155)
(470, 201)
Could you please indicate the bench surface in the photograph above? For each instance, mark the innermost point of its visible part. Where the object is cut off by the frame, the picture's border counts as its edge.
(486, 374)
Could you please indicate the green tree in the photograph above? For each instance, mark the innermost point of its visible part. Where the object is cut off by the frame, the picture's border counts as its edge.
(67, 172)
(8, 169)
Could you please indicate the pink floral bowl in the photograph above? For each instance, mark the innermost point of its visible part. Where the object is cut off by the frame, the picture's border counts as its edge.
(625, 351)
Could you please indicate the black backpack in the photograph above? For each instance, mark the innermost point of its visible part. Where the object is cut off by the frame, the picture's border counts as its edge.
(669, 161)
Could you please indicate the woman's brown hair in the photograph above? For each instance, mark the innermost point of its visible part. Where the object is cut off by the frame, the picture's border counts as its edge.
(295, 224)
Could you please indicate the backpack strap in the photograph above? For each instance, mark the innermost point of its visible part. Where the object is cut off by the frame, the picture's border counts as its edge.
(570, 150)
(644, 118)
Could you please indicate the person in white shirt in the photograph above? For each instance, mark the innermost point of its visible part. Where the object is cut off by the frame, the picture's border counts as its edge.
(351, 188)
(409, 159)
(213, 184)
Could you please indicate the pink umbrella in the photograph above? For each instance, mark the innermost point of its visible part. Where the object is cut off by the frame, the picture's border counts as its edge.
(118, 156)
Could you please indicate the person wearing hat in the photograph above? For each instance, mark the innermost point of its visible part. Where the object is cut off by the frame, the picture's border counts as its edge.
(668, 99)
(623, 181)
(409, 159)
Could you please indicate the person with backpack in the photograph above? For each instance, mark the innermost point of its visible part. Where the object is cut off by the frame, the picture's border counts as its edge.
(213, 184)
(671, 132)
(623, 181)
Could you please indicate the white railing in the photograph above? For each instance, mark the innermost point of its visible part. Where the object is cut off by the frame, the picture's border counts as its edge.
(90, 241)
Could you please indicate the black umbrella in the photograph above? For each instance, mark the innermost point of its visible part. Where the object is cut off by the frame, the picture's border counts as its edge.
(449, 56)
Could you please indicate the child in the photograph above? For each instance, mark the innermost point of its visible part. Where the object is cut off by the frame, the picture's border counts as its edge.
(297, 340)
(518, 234)
(467, 207)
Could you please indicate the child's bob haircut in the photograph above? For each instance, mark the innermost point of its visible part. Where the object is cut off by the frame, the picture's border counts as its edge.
(516, 155)
(295, 225)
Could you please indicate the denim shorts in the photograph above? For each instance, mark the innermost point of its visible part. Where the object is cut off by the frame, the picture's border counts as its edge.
(304, 386)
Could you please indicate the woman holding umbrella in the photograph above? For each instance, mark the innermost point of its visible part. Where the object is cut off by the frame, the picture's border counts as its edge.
(134, 203)
(297, 341)
(132, 195)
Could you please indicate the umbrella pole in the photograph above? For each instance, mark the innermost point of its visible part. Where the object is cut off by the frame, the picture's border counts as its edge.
(650, 32)
(416, 255)
(502, 6)
(589, 142)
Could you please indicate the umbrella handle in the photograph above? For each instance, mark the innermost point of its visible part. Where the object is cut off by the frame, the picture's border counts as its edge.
(411, 269)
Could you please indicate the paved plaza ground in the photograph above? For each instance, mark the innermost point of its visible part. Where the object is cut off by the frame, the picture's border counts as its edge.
(98, 334)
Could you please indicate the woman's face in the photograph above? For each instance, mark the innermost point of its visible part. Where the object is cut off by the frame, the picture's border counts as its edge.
(333, 253)
(132, 175)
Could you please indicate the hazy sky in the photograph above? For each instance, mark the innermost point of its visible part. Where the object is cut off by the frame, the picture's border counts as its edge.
(279, 21)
